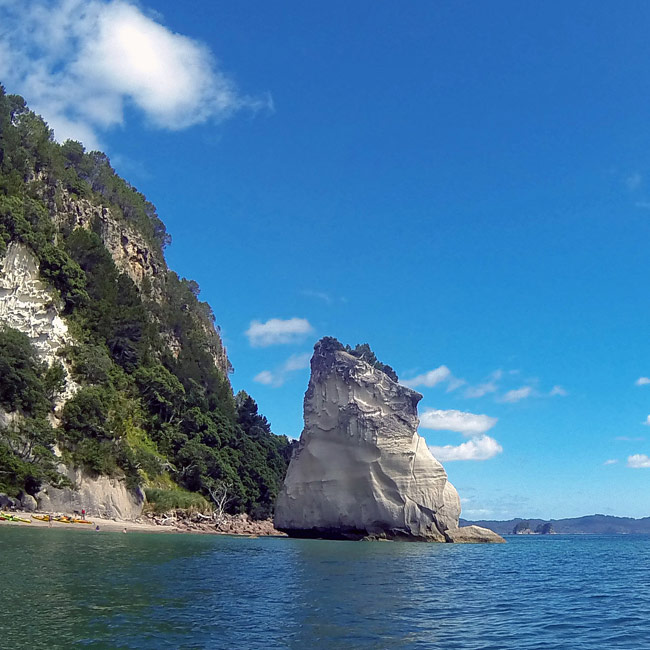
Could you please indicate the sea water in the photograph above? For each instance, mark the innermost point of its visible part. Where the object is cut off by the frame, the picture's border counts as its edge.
(68, 588)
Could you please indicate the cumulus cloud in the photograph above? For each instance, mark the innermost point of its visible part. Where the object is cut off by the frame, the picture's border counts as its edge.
(611, 461)
(642, 381)
(517, 394)
(277, 331)
(81, 63)
(276, 378)
(638, 461)
(480, 448)
(469, 424)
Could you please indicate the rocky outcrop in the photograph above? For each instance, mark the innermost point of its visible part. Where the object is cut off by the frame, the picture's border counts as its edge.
(134, 256)
(130, 251)
(473, 535)
(29, 305)
(360, 468)
(99, 496)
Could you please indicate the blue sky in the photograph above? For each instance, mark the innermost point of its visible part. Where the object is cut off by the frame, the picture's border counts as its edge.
(465, 186)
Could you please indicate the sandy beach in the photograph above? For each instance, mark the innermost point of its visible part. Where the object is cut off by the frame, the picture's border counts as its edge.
(106, 525)
(237, 525)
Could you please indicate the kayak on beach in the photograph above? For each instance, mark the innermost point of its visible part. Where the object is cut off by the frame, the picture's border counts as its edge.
(6, 517)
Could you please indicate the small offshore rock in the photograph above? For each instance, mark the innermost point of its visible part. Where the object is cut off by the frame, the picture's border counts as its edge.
(473, 535)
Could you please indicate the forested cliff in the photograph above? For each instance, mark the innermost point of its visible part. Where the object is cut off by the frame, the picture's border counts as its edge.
(109, 362)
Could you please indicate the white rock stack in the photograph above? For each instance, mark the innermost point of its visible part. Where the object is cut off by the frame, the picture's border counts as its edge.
(360, 468)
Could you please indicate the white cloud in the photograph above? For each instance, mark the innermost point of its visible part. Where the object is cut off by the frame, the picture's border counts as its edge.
(490, 386)
(629, 439)
(611, 461)
(276, 378)
(277, 331)
(80, 63)
(265, 377)
(517, 394)
(469, 424)
(481, 448)
(429, 379)
(558, 390)
(642, 381)
(638, 461)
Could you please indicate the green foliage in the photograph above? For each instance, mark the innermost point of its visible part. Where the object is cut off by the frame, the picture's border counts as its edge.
(162, 501)
(21, 387)
(27, 388)
(26, 457)
(363, 351)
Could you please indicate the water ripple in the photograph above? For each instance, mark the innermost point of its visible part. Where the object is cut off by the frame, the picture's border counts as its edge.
(171, 591)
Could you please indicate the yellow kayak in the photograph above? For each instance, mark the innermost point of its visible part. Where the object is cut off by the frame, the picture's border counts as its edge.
(6, 517)
(63, 520)
(41, 517)
(81, 521)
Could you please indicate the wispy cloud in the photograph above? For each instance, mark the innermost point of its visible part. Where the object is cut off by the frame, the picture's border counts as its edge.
(629, 439)
(81, 63)
(469, 424)
(517, 394)
(487, 387)
(276, 331)
(481, 448)
(638, 461)
(558, 390)
(428, 379)
(611, 461)
(642, 381)
(276, 378)
(634, 181)
(319, 295)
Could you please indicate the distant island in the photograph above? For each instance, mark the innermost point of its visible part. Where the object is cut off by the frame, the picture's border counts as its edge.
(588, 525)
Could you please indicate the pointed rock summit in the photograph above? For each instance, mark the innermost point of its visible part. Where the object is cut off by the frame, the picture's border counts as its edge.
(360, 468)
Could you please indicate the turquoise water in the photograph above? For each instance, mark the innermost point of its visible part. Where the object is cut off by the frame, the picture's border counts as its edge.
(63, 588)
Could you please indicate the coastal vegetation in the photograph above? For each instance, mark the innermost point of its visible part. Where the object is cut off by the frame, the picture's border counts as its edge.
(144, 410)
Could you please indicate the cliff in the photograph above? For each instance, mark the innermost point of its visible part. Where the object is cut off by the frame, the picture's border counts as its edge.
(360, 468)
(115, 376)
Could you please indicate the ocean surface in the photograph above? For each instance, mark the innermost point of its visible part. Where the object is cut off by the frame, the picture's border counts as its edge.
(64, 588)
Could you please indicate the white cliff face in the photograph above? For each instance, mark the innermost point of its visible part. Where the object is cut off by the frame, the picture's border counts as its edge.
(361, 468)
(29, 305)
(99, 496)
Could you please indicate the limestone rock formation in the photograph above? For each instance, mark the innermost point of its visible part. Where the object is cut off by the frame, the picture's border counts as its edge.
(360, 468)
(99, 496)
(32, 307)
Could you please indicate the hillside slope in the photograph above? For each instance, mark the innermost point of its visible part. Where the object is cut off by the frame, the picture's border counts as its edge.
(110, 364)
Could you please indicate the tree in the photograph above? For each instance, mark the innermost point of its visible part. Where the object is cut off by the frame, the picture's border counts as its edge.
(220, 493)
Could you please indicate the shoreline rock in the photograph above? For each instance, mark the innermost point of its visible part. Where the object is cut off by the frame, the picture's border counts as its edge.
(361, 469)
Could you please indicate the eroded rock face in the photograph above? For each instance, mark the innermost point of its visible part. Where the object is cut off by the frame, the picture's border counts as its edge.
(99, 496)
(28, 305)
(361, 468)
